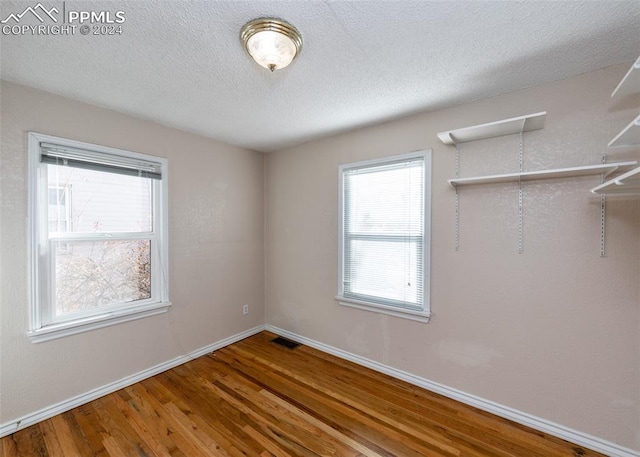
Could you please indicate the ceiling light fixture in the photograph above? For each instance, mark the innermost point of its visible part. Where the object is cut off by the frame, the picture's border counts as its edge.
(273, 43)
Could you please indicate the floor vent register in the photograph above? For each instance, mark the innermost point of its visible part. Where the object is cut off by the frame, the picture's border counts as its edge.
(285, 342)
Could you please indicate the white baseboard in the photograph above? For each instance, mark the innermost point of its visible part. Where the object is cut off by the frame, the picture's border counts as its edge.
(537, 423)
(45, 413)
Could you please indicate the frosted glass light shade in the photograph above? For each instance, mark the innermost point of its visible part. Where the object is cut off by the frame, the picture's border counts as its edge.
(272, 50)
(272, 43)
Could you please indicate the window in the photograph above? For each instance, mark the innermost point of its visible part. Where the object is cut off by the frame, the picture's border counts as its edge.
(98, 219)
(384, 235)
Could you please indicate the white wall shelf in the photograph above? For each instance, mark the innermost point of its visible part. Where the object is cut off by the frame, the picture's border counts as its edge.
(510, 126)
(627, 183)
(630, 135)
(630, 84)
(587, 170)
(493, 129)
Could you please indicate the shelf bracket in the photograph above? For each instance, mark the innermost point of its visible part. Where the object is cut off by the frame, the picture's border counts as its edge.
(521, 194)
(603, 213)
(457, 216)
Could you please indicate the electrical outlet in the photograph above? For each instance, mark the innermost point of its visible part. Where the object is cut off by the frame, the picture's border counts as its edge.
(245, 309)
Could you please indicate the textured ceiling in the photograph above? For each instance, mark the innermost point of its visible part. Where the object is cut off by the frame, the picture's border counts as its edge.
(363, 62)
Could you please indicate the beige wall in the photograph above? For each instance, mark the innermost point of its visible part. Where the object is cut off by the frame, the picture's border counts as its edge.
(216, 250)
(554, 332)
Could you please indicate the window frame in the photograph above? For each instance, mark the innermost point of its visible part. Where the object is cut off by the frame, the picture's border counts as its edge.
(41, 258)
(420, 315)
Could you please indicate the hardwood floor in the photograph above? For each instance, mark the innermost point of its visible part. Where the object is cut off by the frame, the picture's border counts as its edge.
(255, 398)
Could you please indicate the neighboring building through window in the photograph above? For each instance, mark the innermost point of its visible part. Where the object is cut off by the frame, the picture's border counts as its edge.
(98, 236)
(384, 235)
(59, 209)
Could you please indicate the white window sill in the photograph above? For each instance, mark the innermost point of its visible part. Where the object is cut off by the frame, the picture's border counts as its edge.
(60, 330)
(418, 316)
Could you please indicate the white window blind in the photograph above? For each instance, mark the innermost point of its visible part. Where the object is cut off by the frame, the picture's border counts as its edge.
(383, 232)
(99, 161)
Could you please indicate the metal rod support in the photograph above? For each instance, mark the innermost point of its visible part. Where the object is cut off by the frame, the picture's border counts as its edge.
(457, 216)
(521, 196)
(603, 214)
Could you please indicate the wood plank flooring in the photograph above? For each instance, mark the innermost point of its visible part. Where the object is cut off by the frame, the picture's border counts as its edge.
(255, 398)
